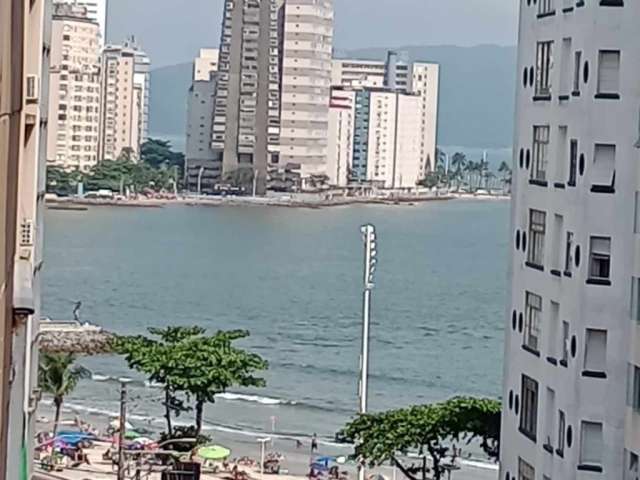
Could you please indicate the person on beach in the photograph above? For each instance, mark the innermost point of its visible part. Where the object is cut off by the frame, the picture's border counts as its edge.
(314, 443)
(298, 444)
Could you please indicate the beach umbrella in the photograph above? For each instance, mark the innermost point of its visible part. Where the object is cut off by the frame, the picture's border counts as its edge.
(131, 435)
(213, 452)
(325, 460)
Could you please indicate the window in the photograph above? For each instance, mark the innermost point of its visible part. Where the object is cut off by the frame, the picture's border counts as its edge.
(550, 409)
(609, 74)
(540, 153)
(573, 163)
(565, 343)
(565, 68)
(533, 322)
(633, 387)
(568, 254)
(537, 228)
(529, 410)
(636, 223)
(577, 62)
(553, 328)
(631, 459)
(562, 425)
(591, 444)
(544, 64)
(600, 260)
(525, 471)
(635, 299)
(604, 168)
(595, 353)
(545, 7)
(558, 230)
(561, 170)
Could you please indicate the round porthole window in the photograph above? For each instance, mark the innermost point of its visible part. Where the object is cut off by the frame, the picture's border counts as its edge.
(531, 76)
(524, 241)
(514, 320)
(510, 399)
(577, 255)
(520, 323)
(525, 77)
(517, 239)
(528, 163)
(574, 346)
(517, 405)
(521, 157)
(569, 436)
(582, 162)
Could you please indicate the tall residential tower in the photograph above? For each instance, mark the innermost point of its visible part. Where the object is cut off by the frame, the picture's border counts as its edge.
(572, 353)
(307, 45)
(246, 122)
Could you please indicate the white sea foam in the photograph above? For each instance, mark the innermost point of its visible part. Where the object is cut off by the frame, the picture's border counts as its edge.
(252, 398)
(100, 378)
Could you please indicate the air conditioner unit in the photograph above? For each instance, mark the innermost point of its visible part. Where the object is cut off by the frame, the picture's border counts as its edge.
(26, 233)
(32, 88)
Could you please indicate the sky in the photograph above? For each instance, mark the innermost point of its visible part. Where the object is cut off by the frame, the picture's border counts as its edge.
(172, 31)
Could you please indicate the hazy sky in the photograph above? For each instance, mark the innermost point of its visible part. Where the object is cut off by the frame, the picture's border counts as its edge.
(171, 31)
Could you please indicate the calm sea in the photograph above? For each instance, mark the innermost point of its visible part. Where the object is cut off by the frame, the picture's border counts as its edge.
(293, 278)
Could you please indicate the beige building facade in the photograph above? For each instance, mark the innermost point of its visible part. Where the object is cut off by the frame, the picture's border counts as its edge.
(124, 107)
(74, 110)
(306, 83)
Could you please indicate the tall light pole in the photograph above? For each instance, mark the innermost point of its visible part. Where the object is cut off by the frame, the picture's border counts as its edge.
(200, 180)
(123, 426)
(370, 260)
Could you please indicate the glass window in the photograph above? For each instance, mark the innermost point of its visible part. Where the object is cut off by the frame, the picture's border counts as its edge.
(604, 165)
(609, 72)
(591, 444)
(525, 470)
(595, 354)
(635, 299)
(562, 425)
(577, 63)
(545, 6)
(565, 342)
(533, 321)
(529, 410)
(633, 387)
(600, 258)
(544, 64)
(540, 152)
(568, 255)
(537, 230)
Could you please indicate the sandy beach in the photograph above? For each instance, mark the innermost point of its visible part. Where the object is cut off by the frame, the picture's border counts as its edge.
(295, 464)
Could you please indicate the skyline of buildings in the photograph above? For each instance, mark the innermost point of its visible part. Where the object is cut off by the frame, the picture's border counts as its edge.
(571, 392)
(74, 109)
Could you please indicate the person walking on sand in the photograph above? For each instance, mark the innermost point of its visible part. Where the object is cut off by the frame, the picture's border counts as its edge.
(314, 443)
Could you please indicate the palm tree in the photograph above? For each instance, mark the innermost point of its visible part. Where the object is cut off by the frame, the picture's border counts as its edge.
(458, 165)
(58, 376)
(505, 170)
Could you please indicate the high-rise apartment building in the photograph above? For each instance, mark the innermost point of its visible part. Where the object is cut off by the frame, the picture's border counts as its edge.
(307, 46)
(246, 122)
(124, 112)
(203, 164)
(205, 63)
(342, 110)
(396, 73)
(74, 110)
(572, 357)
(24, 50)
(96, 12)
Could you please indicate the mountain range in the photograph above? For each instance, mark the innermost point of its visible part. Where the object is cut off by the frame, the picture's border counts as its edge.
(476, 105)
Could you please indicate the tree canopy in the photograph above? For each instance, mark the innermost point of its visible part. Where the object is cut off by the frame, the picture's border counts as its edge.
(424, 429)
(188, 361)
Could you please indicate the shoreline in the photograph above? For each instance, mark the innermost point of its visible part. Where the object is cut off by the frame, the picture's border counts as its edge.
(82, 204)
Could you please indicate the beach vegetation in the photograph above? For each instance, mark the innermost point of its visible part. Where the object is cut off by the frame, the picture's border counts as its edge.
(58, 375)
(424, 430)
(192, 366)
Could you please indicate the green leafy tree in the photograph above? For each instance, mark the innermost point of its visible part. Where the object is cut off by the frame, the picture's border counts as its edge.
(426, 429)
(505, 170)
(159, 154)
(58, 376)
(188, 361)
(241, 177)
(458, 166)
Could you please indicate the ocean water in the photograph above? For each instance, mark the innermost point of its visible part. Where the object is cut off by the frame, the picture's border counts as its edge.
(293, 278)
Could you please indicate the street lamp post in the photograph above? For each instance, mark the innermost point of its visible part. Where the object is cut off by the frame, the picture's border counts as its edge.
(263, 442)
(200, 180)
(123, 425)
(370, 260)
